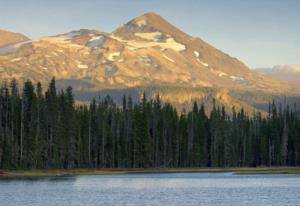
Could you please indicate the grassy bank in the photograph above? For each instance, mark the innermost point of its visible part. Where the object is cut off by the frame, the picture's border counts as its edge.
(76, 172)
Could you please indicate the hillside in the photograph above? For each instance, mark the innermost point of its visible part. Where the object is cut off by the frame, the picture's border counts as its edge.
(146, 54)
(7, 38)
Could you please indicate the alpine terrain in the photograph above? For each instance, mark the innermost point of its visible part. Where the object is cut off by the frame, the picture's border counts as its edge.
(146, 54)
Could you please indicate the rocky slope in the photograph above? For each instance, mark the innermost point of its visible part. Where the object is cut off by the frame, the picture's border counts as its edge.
(7, 38)
(147, 53)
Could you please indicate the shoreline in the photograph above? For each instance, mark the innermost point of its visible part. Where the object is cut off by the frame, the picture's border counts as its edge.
(40, 173)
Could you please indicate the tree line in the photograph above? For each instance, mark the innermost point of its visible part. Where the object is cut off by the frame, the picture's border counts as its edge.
(46, 129)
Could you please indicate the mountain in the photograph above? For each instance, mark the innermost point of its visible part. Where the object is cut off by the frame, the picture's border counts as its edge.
(146, 54)
(283, 72)
(7, 38)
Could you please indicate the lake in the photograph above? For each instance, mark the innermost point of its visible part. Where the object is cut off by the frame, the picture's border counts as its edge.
(154, 189)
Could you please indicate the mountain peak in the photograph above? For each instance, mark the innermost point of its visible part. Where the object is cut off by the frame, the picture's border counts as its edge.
(150, 20)
(150, 15)
(144, 21)
(146, 52)
(148, 23)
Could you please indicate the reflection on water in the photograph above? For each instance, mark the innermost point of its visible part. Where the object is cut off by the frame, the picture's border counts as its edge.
(34, 179)
(153, 189)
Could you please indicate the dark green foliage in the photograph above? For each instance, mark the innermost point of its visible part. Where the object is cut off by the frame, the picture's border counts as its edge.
(47, 130)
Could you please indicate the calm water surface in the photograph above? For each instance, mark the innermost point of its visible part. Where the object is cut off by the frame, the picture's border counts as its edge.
(154, 189)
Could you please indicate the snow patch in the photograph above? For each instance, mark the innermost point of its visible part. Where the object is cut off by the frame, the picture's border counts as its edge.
(141, 23)
(96, 42)
(196, 54)
(95, 38)
(82, 66)
(113, 56)
(203, 63)
(169, 44)
(221, 74)
(131, 48)
(152, 36)
(172, 44)
(235, 78)
(16, 59)
(168, 58)
(64, 39)
(12, 48)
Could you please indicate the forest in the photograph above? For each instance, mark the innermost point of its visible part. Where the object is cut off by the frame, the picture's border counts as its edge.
(48, 129)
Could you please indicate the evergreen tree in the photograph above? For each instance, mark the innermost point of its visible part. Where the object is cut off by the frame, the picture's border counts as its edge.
(49, 130)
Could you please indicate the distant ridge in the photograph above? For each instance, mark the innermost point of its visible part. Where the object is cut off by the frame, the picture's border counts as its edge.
(283, 72)
(7, 37)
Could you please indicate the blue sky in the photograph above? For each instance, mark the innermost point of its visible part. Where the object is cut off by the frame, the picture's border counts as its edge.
(261, 33)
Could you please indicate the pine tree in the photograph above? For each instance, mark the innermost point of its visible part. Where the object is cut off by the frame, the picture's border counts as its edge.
(70, 121)
(52, 109)
(28, 126)
(49, 130)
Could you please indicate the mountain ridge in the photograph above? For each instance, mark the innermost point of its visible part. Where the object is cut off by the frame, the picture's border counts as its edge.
(7, 37)
(145, 52)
